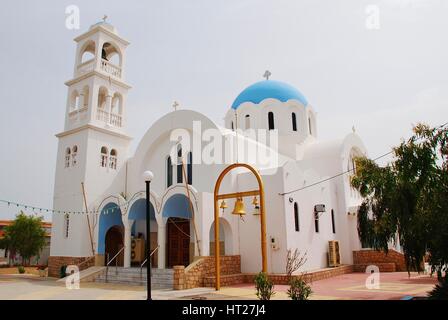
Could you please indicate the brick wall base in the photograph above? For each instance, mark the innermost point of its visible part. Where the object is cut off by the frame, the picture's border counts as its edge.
(201, 273)
(203, 267)
(55, 263)
(383, 267)
(379, 258)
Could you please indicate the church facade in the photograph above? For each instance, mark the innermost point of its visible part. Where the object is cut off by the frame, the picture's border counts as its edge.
(99, 183)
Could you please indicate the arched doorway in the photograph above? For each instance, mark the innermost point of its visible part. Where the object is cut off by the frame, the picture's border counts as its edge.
(225, 238)
(114, 243)
(178, 242)
(137, 214)
(110, 232)
(179, 245)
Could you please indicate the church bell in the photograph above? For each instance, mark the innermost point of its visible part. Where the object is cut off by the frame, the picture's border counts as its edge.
(223, 205)
(239, 207)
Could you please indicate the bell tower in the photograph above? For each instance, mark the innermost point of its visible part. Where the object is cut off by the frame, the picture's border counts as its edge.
(97, 92)
(93, 148)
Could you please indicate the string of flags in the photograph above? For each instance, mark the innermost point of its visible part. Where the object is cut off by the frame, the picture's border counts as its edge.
(110, 209)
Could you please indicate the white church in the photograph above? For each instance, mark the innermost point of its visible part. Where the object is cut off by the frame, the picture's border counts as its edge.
(99, 183)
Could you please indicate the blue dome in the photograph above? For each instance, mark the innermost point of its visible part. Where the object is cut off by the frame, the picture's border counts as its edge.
(269, 89)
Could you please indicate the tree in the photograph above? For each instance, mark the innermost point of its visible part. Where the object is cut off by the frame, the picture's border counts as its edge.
(25, 236)
(408, 197)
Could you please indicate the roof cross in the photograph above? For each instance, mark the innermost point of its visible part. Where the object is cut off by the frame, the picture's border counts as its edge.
(105, 18)
(175, 105)
(267, 74)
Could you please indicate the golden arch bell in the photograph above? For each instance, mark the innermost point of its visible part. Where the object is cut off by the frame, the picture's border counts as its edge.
(239, 207)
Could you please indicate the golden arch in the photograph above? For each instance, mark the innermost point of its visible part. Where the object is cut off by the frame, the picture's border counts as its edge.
(259, 192)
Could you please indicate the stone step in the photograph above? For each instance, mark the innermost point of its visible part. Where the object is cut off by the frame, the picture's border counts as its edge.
(160, 278)
(160, 281)
(137, 278)
(137, 271)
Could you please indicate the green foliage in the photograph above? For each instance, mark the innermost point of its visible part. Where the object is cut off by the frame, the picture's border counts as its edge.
(21, 269)
(408, 197)
(440, 292)
(25, 236)
(299, 289)
(264, 286)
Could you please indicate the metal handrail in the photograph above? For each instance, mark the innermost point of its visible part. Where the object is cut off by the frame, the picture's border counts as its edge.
(146, 260)
(116, 262)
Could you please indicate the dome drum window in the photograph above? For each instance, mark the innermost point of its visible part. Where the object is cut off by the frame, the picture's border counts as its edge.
(294, 121)
(271, 124)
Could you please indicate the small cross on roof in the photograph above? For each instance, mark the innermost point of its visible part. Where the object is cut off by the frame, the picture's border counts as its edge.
(267, 74)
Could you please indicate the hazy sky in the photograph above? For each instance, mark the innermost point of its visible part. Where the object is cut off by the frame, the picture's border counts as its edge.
(204, 52)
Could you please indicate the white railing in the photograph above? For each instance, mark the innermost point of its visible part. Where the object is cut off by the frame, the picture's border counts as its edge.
(110, 118)
(115, 120)
(73, 115)
(110, 68)
(102, 115)
(77, 114)
(87, 66)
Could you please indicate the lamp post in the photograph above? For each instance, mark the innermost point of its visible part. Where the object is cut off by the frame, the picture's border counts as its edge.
(148, 176)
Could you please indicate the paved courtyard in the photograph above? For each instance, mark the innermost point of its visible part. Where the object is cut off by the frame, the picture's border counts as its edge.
(350, 286)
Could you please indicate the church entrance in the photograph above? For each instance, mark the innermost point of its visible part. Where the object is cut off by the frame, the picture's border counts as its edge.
(178, 242)
(114, 243)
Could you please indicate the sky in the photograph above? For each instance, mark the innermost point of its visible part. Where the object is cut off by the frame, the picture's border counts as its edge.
(379, 78)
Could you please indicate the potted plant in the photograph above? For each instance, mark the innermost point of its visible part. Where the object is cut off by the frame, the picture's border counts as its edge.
(21, 269)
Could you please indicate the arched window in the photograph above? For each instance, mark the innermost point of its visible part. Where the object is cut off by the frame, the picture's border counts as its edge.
(88, 52)
(294, 121)
(231, 125)
(247, 121)
(271, 121)
(102, 97)
(74, 102)
(67, 157)
(74, 154)
(333, 227)
(103, 157)
(111, 54)
(169, 172)
(85, 93)
(179, 164)
(190, 168)
(296, 216)
(116, 110)
(116, 104)
(66, 225)
(113, 159)
(102, 112)
(316, 221)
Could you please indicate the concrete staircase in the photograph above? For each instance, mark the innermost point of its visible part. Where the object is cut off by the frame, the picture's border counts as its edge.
(88, 274)
(160, 278)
